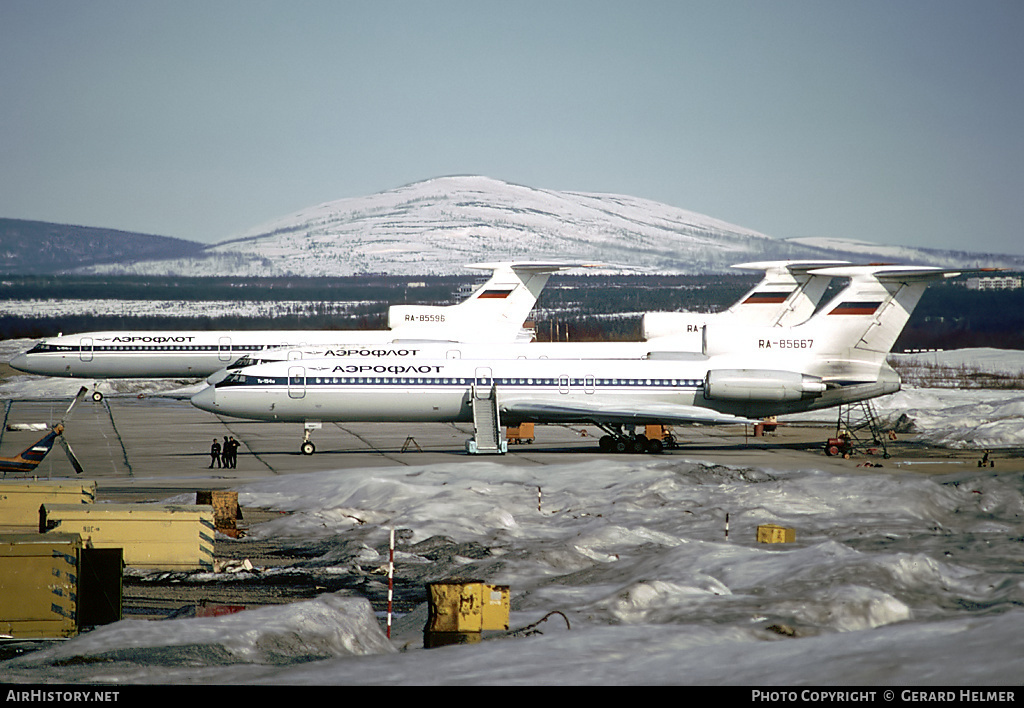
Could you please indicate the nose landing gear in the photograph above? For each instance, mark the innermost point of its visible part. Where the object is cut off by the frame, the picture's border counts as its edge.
(307, 447)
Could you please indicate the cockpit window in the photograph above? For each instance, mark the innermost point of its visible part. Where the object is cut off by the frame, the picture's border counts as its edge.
(241, 363)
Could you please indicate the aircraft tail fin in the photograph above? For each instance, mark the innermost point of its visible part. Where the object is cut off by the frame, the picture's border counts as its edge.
(852, 334)
(495, 312)
(871, 312)
(787, 295)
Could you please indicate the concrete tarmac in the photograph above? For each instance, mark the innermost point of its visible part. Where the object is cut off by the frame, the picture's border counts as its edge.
(152, 448)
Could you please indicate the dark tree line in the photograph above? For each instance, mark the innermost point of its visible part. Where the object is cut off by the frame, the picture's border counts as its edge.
(594, 308)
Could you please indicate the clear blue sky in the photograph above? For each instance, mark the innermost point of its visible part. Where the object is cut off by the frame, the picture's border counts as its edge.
(893, 121)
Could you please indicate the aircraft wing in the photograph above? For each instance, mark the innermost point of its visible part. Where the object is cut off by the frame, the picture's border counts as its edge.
(634, 414)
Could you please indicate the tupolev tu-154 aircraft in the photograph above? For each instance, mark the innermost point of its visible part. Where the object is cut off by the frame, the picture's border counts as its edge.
(787, 295)
(495, 312)
(743, 373)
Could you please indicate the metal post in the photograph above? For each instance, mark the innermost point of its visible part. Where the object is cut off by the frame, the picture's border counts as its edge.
(391, 576)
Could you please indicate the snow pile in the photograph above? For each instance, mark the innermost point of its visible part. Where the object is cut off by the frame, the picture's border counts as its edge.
(893, 578)
(328, 626)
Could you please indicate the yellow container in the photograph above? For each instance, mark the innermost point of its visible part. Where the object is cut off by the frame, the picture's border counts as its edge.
(495, 607)
(655, 432)
(157, 536)
(20, 499)
(519, 433)
(770, 533)
(225, 509)
(39, 585)
(469, 606)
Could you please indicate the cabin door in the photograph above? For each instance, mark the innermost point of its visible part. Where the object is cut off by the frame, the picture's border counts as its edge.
(224, 349)
(296, 382)
(483, 382)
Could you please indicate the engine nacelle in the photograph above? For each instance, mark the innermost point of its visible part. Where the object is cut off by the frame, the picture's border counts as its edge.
(760, 385)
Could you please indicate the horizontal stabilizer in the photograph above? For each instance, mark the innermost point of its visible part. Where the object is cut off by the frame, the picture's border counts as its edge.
(795, 267)
(30, 427)
(888, 273)
(533, 266)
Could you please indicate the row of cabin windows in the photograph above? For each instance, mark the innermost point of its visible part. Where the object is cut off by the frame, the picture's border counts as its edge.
(148, 348)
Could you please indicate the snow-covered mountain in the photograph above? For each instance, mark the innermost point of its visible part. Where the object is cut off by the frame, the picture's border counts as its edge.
(438, 225)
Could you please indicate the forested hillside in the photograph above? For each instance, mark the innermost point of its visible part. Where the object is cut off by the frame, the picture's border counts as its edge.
(591, 307)
(34, 247)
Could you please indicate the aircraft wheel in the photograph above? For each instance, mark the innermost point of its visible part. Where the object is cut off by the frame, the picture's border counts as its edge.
(97, 396)
(307, 448)
(638, 444)
(606, 443)
(621, 444)
(654, 446)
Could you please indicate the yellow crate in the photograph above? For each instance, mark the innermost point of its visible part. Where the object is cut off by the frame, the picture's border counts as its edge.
(157, 536)
(519, 433)
(20, 499)
(655, 432)
(771, 533)
(470, 606)
(225, 509)
(39, 585)
(495, 606)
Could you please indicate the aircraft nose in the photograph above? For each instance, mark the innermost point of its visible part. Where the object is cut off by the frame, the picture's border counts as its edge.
(206, 399)
(20, 363)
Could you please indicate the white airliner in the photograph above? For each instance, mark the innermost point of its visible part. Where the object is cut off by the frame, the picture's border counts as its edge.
(787, 295)
(744, 373)
(495, 312)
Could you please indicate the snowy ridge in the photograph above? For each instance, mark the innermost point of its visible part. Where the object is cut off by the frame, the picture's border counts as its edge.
(438, 225)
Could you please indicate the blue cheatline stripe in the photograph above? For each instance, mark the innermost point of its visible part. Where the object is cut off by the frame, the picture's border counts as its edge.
(146, 349)
(313, 381)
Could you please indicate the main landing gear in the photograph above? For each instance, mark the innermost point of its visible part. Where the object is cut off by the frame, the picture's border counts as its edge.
(618, 440)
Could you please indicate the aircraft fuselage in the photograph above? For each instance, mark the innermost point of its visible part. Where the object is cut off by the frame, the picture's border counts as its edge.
(172, 354)
(425, 390)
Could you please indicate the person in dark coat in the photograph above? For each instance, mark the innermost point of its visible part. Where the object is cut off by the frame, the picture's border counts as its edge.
(225, 453)
(215, 454)
(233, 452)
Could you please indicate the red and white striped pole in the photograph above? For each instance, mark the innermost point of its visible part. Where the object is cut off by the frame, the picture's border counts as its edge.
(391, 577)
